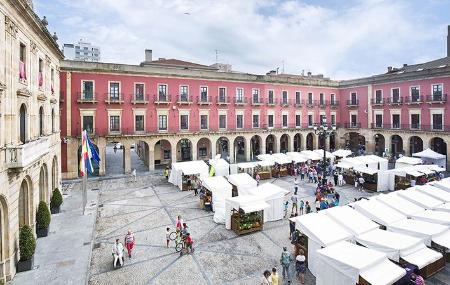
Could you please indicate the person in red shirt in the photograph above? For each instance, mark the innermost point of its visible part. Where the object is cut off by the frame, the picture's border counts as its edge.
(188, 241)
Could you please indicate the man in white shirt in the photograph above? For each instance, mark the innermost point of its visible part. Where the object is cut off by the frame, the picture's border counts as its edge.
(117, 253)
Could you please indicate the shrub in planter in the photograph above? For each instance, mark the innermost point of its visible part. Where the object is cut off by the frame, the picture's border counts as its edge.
(27, 246)
(56, 201)
(43, 218)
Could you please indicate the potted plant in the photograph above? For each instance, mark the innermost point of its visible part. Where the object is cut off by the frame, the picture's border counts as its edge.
(27, 246)
(56, 201)
(43, 218)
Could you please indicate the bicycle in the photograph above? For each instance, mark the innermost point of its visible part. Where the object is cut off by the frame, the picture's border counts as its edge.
(182, 249)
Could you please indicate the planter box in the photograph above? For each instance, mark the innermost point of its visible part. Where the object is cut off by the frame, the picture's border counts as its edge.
(25, 265)
(55, 210)
(41, 232)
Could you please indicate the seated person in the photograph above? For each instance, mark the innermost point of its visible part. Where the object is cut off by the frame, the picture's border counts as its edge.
(117, 253)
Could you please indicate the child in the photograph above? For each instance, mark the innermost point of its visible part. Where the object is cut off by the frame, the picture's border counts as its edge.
(167, 236)
(302, 205)
(286, 205)
(308, 207)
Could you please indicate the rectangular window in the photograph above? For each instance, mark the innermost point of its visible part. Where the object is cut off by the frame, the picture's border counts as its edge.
(41, 73)
(52, 80)
(114, 123)
(415, 121)
(184, 93)
(415, 94)
(114, 91)
(167, 154)
(202, 151)
(395, 95)
(88, 124)
(139, 123)
(353, 120)
(297, 97)
(396, 121)
(270, 97)
(437, 92)
(239, 95)
(285, 97)
(270, 121)
(23, 53)
(162, 93)
(332, 99)
(256, 121)
(285, 121)
(378, 120)
(204, 122)
(255, 95)
(322, 119)
(333, 120)
(162, 122)
(204, 94)
(239, 121)
(297, 120)
(437, 121)
(139, 92)
(310, 121)
(378, 96)
(88, 90)
(310, 98)
(322, 99)
(222, 121)
(222, 95)
(353, 98)
(184, 122)
(22, 63)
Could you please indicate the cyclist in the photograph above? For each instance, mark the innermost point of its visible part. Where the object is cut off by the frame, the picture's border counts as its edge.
(188, 242)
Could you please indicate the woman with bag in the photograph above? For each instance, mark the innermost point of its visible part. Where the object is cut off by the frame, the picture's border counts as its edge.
(300, 266)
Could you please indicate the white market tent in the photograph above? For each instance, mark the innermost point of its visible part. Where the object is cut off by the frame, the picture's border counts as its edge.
(351, 220)
(345, 165)
(397, 245)
(419, 198)
(274, 196)
(265, 157)
(406, 161)
(378, 212)
(327, 154)
(196, 167)
(388, 183)
(344, 263)
(434, 192)
(443, 208)
(221, 166)
(297, 157)
(425, 230)
(265, 163)
(383, 163)
(247, 203)
(281, 158)
(367, 161)
(437, 217)
(366, 170)
(321, 231)
(246, 166)
(311, 155)
(444, 184)
(220, 189)
(431, 157)
(242, 181)
(400, 204)
(342, 152)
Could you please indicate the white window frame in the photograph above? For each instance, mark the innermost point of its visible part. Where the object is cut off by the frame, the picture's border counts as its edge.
(139, 112)
(161, 112)
(184, 113)
(114, 112)
(82, 88)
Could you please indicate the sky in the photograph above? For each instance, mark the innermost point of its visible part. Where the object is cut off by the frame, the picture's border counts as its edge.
(341, 39)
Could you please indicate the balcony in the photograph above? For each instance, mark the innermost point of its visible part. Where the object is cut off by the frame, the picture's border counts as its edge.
(285, 103)
(139, 99)
(437, 98)
(183, 99)
(21, 156)
(271, 102)
(323, 103)
(223, 100)
(412, 127)
(257, 102)
(414, 99)
(352, 103)
(352, 125)
(299, 103)
(334, 104)
(204, 100)
(162, 99)
(240, 101)
(377, 101)
(87, 97)
(394, 101)
(114, 98)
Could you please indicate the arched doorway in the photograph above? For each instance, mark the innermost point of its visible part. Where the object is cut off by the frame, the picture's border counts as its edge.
(139, 154)
(223, 148)
(41, 121)
(284, 143)
(332, 141)
(43, 184)
(255, 147)
(24, 202)
(361, 145)
(4, 230)
(204, 149)
(239, 149)
(310, 141)
(354, 142)
(297, 142)
(271, 144)
(415, 144)
(438, 145)
(184, 150)
(23, 123)
(380, 144)
(162, 153)
(55, 173)
(396, 145)
(94, 163)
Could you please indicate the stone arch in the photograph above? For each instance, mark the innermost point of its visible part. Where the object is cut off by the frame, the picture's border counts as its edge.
(223, 147)
(396, 145)
(184, 150)
(239, 147)
(333, 136)
(23, 124)
(380, 144)
(415, 144)
(438, 145)
(204, 149)
(255, 146)
(285, 142)
(310, 141)
(271, 144)
(25, 201)
(4, 229)
(55, 173)
(162, 152)
(297, 142)
(43, 184)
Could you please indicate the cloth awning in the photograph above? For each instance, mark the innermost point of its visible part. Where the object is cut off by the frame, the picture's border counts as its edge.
(246, 165)
(297, 157)
(365, 170)
(423, 257)
(434, 192)
(281, 158)
(254, 207)
(409, 160)
(400, 204)
(265, 163)
(311, 155)
(443, 239)
(344, 165)
(378, 212)
(428, 153)
(419, 198)
(327, 153)
(438, 217)
(242, 179)
(350, 219)
(342, 152)
(425, 230)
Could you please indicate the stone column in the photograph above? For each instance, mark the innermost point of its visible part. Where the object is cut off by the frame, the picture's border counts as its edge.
(263, 145)
(194, 150)
(151, 159)
(406, 146)
(277, 145)
(327, 143)
(213, 148)
(127, 159)
(173, 151)
(247, 149)
(101, 144)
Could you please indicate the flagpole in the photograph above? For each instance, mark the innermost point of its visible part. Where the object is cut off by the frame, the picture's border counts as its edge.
(84, 186)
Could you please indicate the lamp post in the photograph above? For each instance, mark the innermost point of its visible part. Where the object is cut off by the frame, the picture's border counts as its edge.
(324, 131)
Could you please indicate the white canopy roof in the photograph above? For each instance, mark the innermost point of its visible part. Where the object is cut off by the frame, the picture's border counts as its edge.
(350, 219)
(444, 184)
(327, 153)
(419, 198)
(342, 152)
(248, 203)
(321, 229)
(377, 158)
(246, 165)
(354, 160)
(191, 167)
(443, 208)
(366, 170)
(242, 179)
(268, 190)
(345, 165)
(423, 257)
(443, 239)
(438, 217)
(309, 154)
(217, 183)
(416, 228)
(378, 212)
(296, 157)
(222, 167)
(400, 204)
(406, 160)
(265, 163)
(353, 261)
(281, 158)
(428, 153)
(254, 207)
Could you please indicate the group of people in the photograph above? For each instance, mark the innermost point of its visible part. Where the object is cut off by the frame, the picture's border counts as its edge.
(118, 248)
(183, 235)
(286, 260)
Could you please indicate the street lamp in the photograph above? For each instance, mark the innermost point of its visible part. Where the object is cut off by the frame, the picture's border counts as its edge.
(323, 132)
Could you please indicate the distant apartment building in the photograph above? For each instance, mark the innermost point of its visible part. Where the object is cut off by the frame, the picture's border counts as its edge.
(82, 51)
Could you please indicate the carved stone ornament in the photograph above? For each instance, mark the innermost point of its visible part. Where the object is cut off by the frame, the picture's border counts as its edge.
(53, 101)
(41, 97)
(11, 27)
(2, 86)
(33, 47)
(48, 60)
(24, 92)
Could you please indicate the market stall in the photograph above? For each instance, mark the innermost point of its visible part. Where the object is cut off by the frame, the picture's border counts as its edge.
(283, 163)
(406, 161)
(245, 214)
(345, 263)
(400, 204)
(221, 166)
(383, 163)
(370, 176)
(264, 169)
(217, 189)
(351, 220)
(443, 184)
(328, 155)
(311, 155)
(183, 171)
(419, 198)
(296, 157)
(247, 167)
(340, 153)
(274, 196)
(320, 231)
(378, 212)
(364, 161)
(437, 217)
(431, 157)
(241, 182)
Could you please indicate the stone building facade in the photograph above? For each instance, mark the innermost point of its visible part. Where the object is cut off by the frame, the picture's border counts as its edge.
(29, 123)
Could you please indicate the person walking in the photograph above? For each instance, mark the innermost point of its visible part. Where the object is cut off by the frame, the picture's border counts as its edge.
(179, 223)
(133, 174)
(300, 266)
(285, 261)
(166, 173)
(341, 179)
(336, 177)
(257, 178)
(317, 203)
(266, 278)
(291, 226)
(307, 207)
(129, 242)
(286, 205)
(275, 277)
(117, 253)
(361, 182)
(302, 205)
(294, 200)
(302, 173)
(295, 185)
(194, 186)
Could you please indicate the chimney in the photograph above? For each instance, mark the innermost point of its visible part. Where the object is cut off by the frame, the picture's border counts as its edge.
(448, 41)
(148, 55)
(389, 68)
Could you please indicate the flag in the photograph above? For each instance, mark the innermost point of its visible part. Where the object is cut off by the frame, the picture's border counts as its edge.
(88, 152)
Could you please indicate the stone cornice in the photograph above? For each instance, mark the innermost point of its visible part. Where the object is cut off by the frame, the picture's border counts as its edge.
(41, 97)
(23, 92)
(11, 27)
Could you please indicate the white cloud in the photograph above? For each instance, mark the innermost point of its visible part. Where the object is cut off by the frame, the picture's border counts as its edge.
(255, 36)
